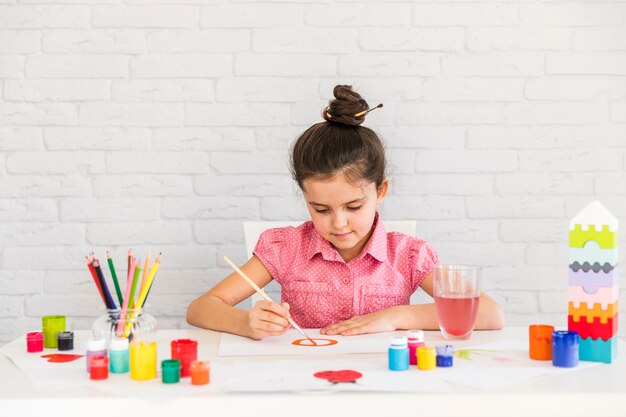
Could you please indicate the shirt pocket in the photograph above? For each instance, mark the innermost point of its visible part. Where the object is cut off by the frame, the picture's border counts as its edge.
(378, 297)
(310, 302)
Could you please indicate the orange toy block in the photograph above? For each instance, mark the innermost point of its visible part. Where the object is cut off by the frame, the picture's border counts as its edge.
(594, 328)
(591, 313)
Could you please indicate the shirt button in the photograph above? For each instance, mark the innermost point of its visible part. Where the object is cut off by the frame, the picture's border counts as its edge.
(346, 280)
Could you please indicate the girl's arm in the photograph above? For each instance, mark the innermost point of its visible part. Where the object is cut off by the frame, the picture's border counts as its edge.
(215, 309)
(416, 316)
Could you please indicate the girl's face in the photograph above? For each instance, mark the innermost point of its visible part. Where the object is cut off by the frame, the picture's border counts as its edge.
(343, 213)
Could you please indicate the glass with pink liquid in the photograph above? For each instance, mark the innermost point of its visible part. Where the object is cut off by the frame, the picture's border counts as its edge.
(457, 291)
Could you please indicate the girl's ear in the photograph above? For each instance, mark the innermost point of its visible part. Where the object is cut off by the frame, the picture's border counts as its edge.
(382, 190)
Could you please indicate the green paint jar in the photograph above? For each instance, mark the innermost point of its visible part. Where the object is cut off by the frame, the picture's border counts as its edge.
(52, 325)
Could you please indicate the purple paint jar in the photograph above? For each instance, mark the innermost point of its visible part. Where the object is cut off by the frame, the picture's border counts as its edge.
(95, 347)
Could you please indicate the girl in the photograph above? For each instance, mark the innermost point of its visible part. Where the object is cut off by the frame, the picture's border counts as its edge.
(341, 271)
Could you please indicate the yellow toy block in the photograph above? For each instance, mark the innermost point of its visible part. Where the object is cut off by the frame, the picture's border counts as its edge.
(605, 238)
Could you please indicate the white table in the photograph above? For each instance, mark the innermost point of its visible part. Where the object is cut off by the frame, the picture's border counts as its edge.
(594, 391)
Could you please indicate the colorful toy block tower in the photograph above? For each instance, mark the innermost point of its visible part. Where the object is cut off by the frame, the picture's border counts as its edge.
(593, 282)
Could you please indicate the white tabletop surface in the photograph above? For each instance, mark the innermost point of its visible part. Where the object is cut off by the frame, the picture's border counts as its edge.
(593, 391)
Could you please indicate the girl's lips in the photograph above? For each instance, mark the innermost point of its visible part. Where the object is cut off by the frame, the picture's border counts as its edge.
(342, 235)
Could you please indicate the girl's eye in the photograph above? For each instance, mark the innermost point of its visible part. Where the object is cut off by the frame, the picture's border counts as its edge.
(354, 208)
(321, 211)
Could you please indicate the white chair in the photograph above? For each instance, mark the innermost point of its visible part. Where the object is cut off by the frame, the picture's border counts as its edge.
(252, 231)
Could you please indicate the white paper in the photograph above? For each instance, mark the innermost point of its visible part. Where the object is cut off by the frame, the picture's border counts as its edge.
(292, 376)
(232, 345)
(498, 364)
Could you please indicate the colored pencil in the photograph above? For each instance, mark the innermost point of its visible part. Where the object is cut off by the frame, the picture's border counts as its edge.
(145, 273)
(114, 275)
(141, 300)
(131, 302)
(144, 292)
(125, 304)
(95, 278)
(108, 300)
(262, 294)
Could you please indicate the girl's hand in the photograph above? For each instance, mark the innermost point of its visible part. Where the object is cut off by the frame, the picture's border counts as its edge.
(379, 321)
(268, 319)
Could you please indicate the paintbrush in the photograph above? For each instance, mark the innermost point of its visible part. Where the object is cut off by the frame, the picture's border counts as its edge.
(265, 296)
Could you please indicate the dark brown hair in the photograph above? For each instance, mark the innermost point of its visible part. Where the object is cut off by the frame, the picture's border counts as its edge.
(340, 145)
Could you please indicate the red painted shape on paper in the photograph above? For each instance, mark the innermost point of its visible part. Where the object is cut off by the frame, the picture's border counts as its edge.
(61, 357)
(336, 377)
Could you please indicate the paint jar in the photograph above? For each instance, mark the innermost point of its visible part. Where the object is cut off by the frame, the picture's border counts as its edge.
(200, 372)
(170, 371)
(119, 356)
(99, 367)
(51, 325)
(143, 360)
(445, 355)
(398, 354)
(185, 350)
(415, 340)
(133, 324)
(426, 358)
(34, 342)
(540, 342)
(95, 347)
(565, 349)
(65, 340)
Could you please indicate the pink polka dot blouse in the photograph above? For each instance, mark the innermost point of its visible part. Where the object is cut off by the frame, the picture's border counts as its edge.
(322, 289)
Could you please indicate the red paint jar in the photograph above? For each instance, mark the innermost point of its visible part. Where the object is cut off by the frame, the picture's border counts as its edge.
(185, 350)
(200, 372)
(34, 342)
(99, 367)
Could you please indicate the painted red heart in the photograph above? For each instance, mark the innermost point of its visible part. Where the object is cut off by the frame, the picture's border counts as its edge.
(61, 357)
(336, 377)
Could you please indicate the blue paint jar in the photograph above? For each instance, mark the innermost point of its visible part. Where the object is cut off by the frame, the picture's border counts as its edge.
(445, 355)
(565, 349)
(398, 354)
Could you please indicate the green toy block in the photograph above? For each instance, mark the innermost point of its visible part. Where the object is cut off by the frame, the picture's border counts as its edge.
(604, 238)
(597, 350)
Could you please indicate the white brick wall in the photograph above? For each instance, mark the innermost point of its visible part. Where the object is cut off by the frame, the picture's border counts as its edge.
(163, 124)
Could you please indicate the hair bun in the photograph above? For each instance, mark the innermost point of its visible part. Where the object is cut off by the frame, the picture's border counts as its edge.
(346, 104)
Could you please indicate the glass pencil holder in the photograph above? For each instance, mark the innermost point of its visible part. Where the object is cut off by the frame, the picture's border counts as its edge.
(134, 324)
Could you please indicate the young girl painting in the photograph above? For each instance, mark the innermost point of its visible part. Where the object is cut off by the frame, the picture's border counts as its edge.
(340, 271)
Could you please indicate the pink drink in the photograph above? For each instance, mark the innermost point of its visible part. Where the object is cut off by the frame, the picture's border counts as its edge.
(457, 314)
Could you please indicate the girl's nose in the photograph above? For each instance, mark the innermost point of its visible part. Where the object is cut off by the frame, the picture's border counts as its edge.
(340, 220)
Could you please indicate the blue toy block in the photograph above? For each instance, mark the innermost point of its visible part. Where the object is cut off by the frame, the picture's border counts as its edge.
(598, 350)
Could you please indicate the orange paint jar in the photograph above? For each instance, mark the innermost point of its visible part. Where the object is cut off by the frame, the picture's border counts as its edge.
(200, 371)
(540, 342)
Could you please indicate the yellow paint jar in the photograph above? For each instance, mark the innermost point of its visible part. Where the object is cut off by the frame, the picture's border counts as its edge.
(426, 358)
(143, 360)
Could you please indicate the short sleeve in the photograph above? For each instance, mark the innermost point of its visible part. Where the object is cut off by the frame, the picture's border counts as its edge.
(268, 249)
(422, 260)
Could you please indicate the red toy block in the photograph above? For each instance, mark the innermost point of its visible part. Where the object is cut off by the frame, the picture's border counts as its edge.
(594, 329)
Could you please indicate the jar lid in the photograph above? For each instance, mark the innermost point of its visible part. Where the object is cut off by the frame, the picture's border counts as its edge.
(415, 335)
(184, 343)
(34, 336)
(96, 344)
(119, 343)
(398, 341)
(565, 336)
(445, 350)
(65, 335)
(199, 365)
